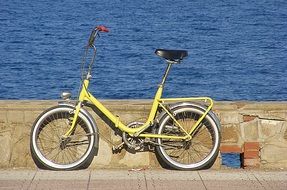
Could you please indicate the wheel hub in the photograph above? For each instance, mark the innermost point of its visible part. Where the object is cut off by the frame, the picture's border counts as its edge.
(64, 141)
(187, 144)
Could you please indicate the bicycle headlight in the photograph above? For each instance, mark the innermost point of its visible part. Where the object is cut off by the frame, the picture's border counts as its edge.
(66, 95)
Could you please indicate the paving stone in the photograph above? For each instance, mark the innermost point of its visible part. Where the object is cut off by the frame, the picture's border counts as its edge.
(62, 175)
(272, 180)
(117, 184)
(143, 179)
(14, 179)
(59, 184)
(233, 185)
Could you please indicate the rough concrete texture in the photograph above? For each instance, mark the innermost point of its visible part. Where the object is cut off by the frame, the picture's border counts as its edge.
(263, 122)
(143, 179)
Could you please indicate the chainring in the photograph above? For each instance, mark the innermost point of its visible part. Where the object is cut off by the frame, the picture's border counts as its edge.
(133, 143)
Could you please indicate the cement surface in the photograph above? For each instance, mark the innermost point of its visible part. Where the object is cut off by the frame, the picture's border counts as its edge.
(149, 179)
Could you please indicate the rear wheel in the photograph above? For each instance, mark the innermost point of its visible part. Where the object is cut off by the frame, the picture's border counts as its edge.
(198, 153)
(50, 150)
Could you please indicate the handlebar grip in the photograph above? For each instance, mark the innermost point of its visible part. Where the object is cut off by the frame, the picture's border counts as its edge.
(94, 33)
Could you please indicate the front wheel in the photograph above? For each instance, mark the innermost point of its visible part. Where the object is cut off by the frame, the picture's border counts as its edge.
(50, 150)
(198, 153)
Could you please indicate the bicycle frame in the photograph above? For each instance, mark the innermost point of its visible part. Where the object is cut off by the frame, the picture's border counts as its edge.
(183, 133)
(158, 101)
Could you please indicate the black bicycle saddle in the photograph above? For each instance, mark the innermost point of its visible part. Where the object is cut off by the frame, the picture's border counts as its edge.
(171, 55)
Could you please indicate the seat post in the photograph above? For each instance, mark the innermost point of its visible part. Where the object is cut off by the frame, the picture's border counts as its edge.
(166, 73)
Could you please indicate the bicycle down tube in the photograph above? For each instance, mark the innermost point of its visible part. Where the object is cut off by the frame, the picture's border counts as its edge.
(158, 101)
(86, 96)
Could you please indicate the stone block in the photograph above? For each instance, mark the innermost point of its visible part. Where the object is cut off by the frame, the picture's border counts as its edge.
(217, 164)
(269, 129)
(3, 117)
(231, 117)
(230, 133)
(139, 159)
(277, 115)
(5, 148)
(282, 165)
(15, 116)
(263, 106)
(274, 153)
(249, 130)
(20, 145)
(239, 105)
(153, 161)
(225, 106)
(104, 129)
(31, 116)
(132, 117)
(104, 157)
(115, 138)
(284, 132)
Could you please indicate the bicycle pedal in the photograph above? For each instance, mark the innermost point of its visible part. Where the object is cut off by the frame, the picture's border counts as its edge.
(117, 147)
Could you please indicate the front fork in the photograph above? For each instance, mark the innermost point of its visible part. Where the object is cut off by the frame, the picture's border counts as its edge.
(74, 121)
(78, 107)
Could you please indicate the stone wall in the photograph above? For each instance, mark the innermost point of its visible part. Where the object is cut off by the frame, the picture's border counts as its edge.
(262, 122)
(259, 122)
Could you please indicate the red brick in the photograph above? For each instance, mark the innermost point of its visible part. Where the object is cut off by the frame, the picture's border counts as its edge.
(251, 163)
(230, 149)
(251, 154)
(247, 118)
(251, 146)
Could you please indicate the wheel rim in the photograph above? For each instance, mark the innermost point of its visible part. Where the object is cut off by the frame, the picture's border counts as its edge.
(193, 153)
(55, 151)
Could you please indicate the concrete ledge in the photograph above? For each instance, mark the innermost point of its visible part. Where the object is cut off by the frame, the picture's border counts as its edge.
(145, 179)
(262, 122)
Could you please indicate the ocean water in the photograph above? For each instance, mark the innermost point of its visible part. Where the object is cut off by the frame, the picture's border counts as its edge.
(237, 49)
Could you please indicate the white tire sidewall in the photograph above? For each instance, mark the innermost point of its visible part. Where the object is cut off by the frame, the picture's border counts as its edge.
(49, 163)
(205, 160)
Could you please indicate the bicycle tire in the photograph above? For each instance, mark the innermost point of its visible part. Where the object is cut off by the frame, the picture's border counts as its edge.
(50, 152)
(204, 143)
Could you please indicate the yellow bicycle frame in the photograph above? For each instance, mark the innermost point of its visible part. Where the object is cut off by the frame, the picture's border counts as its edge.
(158, 102)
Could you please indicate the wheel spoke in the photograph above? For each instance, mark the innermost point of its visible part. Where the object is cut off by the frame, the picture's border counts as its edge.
(61, 152)
(193, 153)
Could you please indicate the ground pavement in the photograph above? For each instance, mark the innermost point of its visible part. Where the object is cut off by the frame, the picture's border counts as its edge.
(148, 179)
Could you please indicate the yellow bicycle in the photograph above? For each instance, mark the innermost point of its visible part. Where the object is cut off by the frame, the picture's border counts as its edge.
(184, 132)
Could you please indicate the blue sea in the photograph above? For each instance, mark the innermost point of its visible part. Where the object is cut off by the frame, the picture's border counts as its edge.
(237, 49)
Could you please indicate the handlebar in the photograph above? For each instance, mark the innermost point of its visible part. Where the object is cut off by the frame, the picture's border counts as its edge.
(95, 32)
